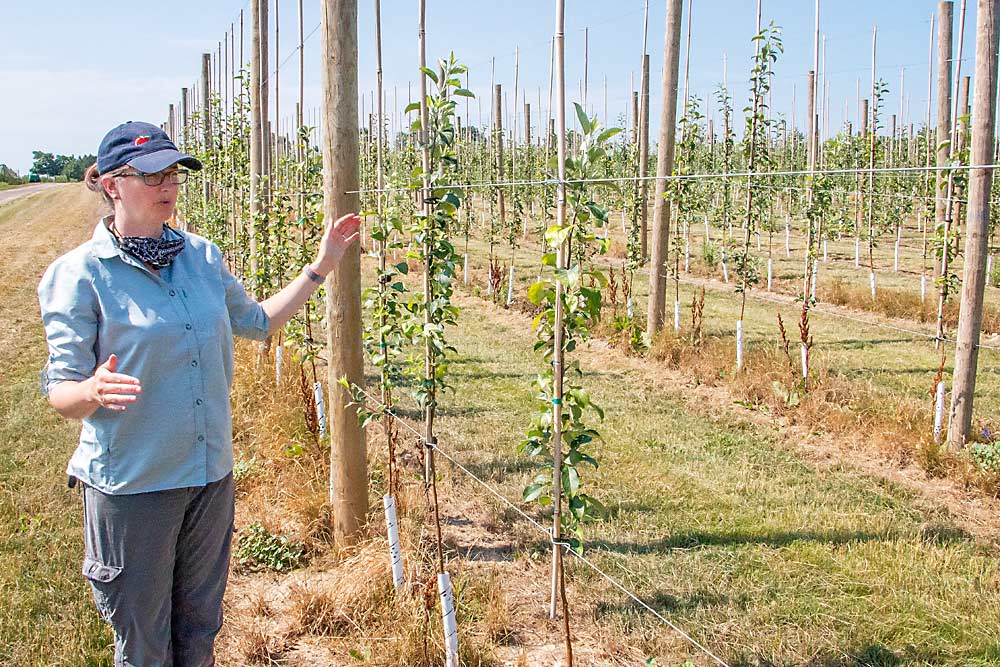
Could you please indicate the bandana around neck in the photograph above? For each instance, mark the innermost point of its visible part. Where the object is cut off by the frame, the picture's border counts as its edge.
(158, 253)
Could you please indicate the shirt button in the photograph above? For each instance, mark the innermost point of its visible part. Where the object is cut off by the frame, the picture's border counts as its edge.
(198, 402)
(173, 293)
(188, 327)
(194, 362)
(201, 438)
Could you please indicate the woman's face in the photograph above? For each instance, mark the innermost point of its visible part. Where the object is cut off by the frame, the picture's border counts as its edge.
(141, 202)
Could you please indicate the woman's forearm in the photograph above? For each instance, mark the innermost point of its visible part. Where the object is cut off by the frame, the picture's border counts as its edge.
(282, 306)
(74, 400)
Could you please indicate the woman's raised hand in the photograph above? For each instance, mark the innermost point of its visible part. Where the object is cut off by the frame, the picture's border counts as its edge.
(337, 238)
(113, 390)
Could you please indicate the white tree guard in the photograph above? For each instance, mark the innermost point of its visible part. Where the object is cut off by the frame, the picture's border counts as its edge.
(277, 364)
(770, 272)
(739, 344)
(465, 269)
(510, 286)
(871, 279)
(395, 551)
(448, 616)
(320, 408)
(938, 411)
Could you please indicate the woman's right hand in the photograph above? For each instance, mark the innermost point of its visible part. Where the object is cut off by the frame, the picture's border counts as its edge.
(112, 390)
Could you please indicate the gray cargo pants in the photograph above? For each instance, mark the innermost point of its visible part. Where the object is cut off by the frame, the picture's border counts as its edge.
(158, 564)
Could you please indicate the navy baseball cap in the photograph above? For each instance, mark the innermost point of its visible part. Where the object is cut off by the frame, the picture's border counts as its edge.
(143, 146)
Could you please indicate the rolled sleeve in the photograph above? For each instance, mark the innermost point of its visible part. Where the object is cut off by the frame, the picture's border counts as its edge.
(246, 316)
(69, 315)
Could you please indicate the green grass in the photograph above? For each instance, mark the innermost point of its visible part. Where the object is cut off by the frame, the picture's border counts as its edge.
(47, 614)
(886, 361)
(750, 548)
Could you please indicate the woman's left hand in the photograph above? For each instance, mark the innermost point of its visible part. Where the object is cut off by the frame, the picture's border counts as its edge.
(337, 238)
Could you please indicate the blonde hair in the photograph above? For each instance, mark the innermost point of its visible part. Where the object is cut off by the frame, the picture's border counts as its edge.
(92, 179)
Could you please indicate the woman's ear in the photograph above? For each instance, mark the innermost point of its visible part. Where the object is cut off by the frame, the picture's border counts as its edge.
(110, 185)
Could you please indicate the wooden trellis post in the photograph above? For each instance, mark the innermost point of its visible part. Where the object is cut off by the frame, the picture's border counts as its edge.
(977, 230)
(348, 462)
(664, 165)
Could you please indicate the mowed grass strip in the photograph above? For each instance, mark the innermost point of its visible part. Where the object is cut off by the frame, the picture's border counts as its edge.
(763, 556)
(47, 614)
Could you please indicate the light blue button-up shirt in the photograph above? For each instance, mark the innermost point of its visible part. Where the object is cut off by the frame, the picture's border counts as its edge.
(172, 331)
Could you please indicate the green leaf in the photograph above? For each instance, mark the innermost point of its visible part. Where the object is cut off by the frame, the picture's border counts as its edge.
(581, 115)
(403, 268)
(608, 133)
(537, 292)
(431, 74)
(462, 92)
(412, 106)
(532, 492)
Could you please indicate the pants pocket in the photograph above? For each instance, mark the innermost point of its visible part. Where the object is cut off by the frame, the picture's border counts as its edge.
(101, 578)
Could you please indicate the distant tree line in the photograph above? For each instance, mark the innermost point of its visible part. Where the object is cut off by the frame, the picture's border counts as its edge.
(9, 176)
(71, 167)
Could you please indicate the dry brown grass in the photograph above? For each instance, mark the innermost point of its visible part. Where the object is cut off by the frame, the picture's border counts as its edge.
(345, 601)
(893, 425)
(902, 304)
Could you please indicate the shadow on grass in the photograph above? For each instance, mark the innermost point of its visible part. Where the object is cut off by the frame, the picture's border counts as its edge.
(873, 655)
(497, 468)
(665, 603)
(693, 540)
(861, 343)
(490, 553)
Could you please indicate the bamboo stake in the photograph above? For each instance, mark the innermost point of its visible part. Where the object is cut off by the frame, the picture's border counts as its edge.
(562, 261)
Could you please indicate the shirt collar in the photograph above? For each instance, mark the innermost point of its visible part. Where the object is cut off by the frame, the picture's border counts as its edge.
(103, 243)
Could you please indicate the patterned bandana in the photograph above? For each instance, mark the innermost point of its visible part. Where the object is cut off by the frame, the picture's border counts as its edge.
(158, 253)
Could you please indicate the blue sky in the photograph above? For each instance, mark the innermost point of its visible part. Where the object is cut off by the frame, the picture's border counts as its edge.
(70, 70)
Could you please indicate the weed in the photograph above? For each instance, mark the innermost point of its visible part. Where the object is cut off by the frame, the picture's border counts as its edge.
(258, 549)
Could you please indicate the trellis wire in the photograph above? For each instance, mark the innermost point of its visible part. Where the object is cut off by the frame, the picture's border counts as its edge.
(546, 531)
(684, 177)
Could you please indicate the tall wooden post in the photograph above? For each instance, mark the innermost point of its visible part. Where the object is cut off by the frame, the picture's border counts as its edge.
(664, 166)
(348, 462)
(976, 240)
(206, 106)
(264, 83)
(946, 13)
(256, 139)
(644, 159)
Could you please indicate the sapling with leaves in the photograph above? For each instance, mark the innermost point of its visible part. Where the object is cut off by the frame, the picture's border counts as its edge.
(430, 310)
(576, 289)
(689, 195)
(875, 149)
(727, 150)
(768, 47)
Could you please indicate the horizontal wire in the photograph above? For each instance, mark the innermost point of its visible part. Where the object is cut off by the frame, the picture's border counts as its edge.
(677, 177)
(548, 533)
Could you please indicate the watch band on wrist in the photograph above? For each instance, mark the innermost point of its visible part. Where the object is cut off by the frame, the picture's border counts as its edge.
(313, 276)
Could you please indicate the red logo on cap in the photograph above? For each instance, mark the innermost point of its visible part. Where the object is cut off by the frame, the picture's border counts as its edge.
(139, 141)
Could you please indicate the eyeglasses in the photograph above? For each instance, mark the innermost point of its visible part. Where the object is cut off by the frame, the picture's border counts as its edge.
(175, 177)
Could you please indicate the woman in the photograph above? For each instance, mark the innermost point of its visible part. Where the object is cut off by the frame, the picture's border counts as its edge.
(139, 322)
